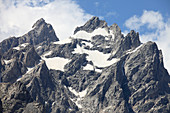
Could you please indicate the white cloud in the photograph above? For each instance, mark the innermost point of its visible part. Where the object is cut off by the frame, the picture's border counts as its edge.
(159, 31)
(133, 23)
(153, 20)
(18, 16)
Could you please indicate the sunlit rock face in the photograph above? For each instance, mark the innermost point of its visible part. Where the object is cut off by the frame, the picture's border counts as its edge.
(96, 70)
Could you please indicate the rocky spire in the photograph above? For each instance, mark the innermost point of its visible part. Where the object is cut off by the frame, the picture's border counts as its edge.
(115, 29)
(31, 58)
(38, 23)
(91, 25)
(42, 32)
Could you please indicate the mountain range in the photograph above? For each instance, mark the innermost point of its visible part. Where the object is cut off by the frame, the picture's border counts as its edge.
(96, 70)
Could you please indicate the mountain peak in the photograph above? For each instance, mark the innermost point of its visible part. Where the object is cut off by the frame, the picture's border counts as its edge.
(91, 25)
(94, 18)
(115, 29)
(39, 22)
(41, 32)
(97, 66)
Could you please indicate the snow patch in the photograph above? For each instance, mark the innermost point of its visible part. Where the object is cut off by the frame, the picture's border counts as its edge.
(73, 91)
(46, 54)
(98, 58)
(8, 61)
(83, 93)
(56, 63)
(78, 103)
(38, 47)
(24, 45)
(107, 47)
(112, 34)
(132, 51)
(88, 67)
(63, 41)
(21, 46)
(98, 70)
(29, 69)
(19, 79)
(53, 103)
(87, 36)
(79, 95)
(17, 48)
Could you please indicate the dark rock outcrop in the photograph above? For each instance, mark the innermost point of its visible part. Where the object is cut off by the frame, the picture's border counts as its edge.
(91, 25)
(6, 44)
(41, 32)
(75, 64)
(31, 58)
(13, 71)
(1, 107)
(129, 78)
(14, 97)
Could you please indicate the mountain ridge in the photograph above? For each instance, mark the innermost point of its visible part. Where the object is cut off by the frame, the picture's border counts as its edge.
(97, 69)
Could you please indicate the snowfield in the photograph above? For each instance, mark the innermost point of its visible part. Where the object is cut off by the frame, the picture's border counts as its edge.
(87, 36)
(98, 58)
(88, 67)
(56, 63)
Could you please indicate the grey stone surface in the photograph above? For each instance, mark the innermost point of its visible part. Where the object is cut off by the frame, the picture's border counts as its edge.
(1, 109)
(91, 25)
(136, 83)
(31, 58)
(40, 33)
(12, 71)
(14, 97)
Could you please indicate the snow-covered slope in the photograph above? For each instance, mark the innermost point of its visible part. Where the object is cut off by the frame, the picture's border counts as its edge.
(99, 59)
(56, 63)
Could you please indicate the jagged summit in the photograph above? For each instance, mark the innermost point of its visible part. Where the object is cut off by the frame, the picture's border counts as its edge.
(91, 25)
(95, 23)
(115, 29)
(96, 70)
(41, 33)
(39, 22)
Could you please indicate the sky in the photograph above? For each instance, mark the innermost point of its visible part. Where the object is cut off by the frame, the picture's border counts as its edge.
(151, 18)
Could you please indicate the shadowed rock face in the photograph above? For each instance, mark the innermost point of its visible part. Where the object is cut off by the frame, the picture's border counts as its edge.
(31, 58)
(1, 110)
(14, 97)
(106, 73)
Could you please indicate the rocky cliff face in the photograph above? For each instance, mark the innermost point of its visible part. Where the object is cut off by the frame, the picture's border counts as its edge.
(96, 70)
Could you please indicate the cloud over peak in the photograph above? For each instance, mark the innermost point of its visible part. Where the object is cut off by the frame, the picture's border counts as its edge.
(152, 19)
(17, 16)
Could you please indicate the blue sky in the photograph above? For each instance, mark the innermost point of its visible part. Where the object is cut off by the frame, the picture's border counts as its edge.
(151, 18)
(119, 11)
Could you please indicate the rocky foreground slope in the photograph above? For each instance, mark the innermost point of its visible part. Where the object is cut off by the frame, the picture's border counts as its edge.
(96, 70)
